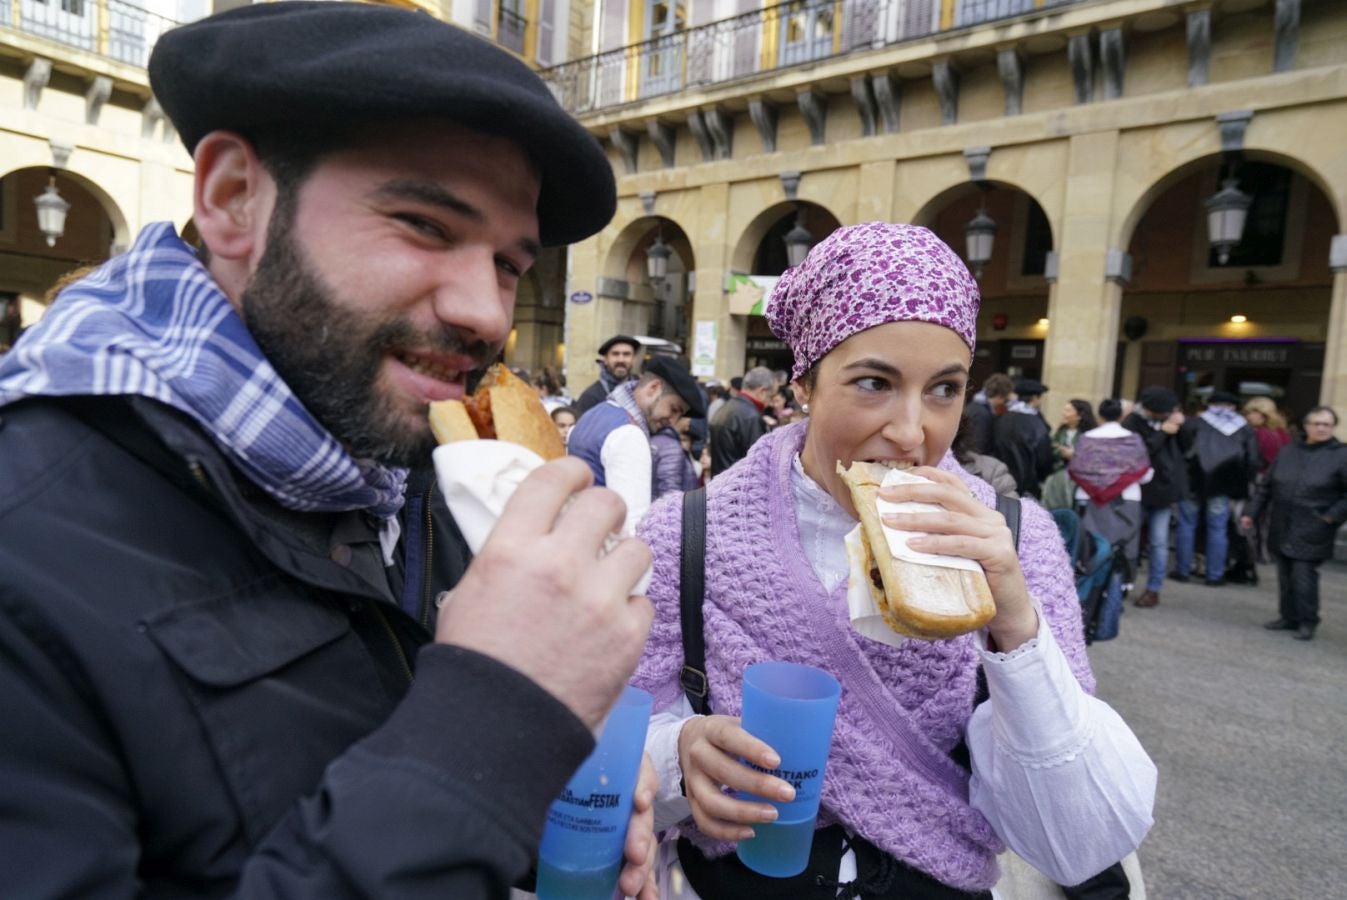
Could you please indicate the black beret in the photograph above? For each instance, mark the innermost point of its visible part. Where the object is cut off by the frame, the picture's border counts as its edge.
(619, 339)
(676, 375)
(1028, 387)
(271, 66)
(1159, 399)
(1223, 397)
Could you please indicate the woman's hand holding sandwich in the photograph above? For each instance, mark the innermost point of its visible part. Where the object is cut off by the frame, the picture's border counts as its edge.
(967, 528)
(709, 750)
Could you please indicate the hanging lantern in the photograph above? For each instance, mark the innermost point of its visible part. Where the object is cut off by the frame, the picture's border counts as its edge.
(657, 259)
(798, 243)
(1227, 210)
(51, 211)
(980, 233)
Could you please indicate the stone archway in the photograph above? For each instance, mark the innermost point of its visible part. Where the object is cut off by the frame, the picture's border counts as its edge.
(663, 309)
(30, 263)
(1013, 326)
(1253, 324)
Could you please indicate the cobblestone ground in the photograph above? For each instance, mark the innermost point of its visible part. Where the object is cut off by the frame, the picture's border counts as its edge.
(1249, 730)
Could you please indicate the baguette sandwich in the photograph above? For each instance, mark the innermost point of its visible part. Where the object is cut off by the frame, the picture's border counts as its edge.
(503, 408)
(916, 599)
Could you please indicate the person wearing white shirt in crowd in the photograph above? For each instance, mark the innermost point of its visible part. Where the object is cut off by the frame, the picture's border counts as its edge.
(613, 438)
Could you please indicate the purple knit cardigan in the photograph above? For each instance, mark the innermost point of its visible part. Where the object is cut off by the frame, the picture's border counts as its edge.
(764, 602)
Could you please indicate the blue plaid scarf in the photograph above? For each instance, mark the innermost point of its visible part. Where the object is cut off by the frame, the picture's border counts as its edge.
(152, 322)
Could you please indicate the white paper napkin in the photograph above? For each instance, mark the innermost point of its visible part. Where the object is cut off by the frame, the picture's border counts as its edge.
(478, 477)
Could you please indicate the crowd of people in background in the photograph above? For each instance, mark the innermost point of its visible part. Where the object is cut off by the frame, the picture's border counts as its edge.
(1187, 494)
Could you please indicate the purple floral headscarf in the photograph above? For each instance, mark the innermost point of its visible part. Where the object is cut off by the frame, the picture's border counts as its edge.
(865, 275)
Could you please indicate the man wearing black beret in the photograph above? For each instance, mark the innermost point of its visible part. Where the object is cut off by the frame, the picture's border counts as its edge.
(1158, 418)
(244, 649)
(617, 364)
(613, 438)
(1023, 440)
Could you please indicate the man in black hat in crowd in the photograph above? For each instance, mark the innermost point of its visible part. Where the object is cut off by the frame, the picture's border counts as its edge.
(1023, 439)
(617, 366)
(1158, 419)
(243, 648)
(613, 438)
(1223, 457)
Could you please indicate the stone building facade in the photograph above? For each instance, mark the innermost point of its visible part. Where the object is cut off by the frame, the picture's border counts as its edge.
(1092, 134)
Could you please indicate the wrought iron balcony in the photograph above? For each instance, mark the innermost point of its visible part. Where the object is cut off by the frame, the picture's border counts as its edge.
(776, 37)
(112, 28)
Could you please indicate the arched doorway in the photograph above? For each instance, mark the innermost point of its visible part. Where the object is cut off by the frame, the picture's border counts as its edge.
(762, 254)
(537, 339)
(1013, 325)
(656, 305)
(1252, 323)
(32, 262)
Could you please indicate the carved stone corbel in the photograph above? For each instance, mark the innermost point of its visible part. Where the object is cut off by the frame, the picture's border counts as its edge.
(865, 104)
(763, 115)
(888, 97)
(1010, 65)
(721, 126)
(1111, 59)
(1081, 56)
(1199, 47)
(814, 108)
(697, 125)
(946, 80)
(100, 89)
(627, 144)
(35, 78)
(662, 136)
(1287, 21)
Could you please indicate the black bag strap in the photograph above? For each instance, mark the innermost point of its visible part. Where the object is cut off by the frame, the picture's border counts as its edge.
(692, 588)
(1009, 507)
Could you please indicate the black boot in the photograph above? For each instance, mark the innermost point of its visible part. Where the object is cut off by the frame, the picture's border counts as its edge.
(1281, 625)
(1306, 633)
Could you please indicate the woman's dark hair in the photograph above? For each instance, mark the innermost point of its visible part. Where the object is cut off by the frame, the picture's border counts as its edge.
(565, 409)
(962, 446)
(1086, 414)
(1110, 410)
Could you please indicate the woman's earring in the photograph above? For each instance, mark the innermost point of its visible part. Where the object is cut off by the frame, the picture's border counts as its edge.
(804, 407)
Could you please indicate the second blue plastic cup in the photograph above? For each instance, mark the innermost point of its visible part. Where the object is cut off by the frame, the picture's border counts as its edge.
(792, 708)
(581, 852)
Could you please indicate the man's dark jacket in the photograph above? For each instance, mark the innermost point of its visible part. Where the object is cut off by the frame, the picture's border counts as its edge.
(981, 427)
(1220, 465)
(1024, 443)
(206, 695)
(598, 392)
(1307, 490)
(737, 426)
(1169, 484)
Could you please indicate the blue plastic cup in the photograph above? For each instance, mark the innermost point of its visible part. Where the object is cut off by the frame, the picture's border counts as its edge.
(581, 853)
(792, 708)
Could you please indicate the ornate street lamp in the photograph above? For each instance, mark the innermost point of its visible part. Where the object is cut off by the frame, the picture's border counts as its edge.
(798, 243)
(51, 211)
(657, 259)
(1227, 210)
(979, 233)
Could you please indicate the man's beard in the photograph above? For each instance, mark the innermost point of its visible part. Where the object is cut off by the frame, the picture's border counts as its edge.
(330, 355)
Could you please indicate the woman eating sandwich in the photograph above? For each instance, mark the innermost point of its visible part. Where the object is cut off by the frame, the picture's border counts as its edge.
(881, 321)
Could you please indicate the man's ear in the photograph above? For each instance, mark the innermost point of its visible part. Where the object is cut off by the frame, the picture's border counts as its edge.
(233, 197)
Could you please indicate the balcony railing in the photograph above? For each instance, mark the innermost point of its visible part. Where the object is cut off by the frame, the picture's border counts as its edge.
(112, 28)
(777, 37)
